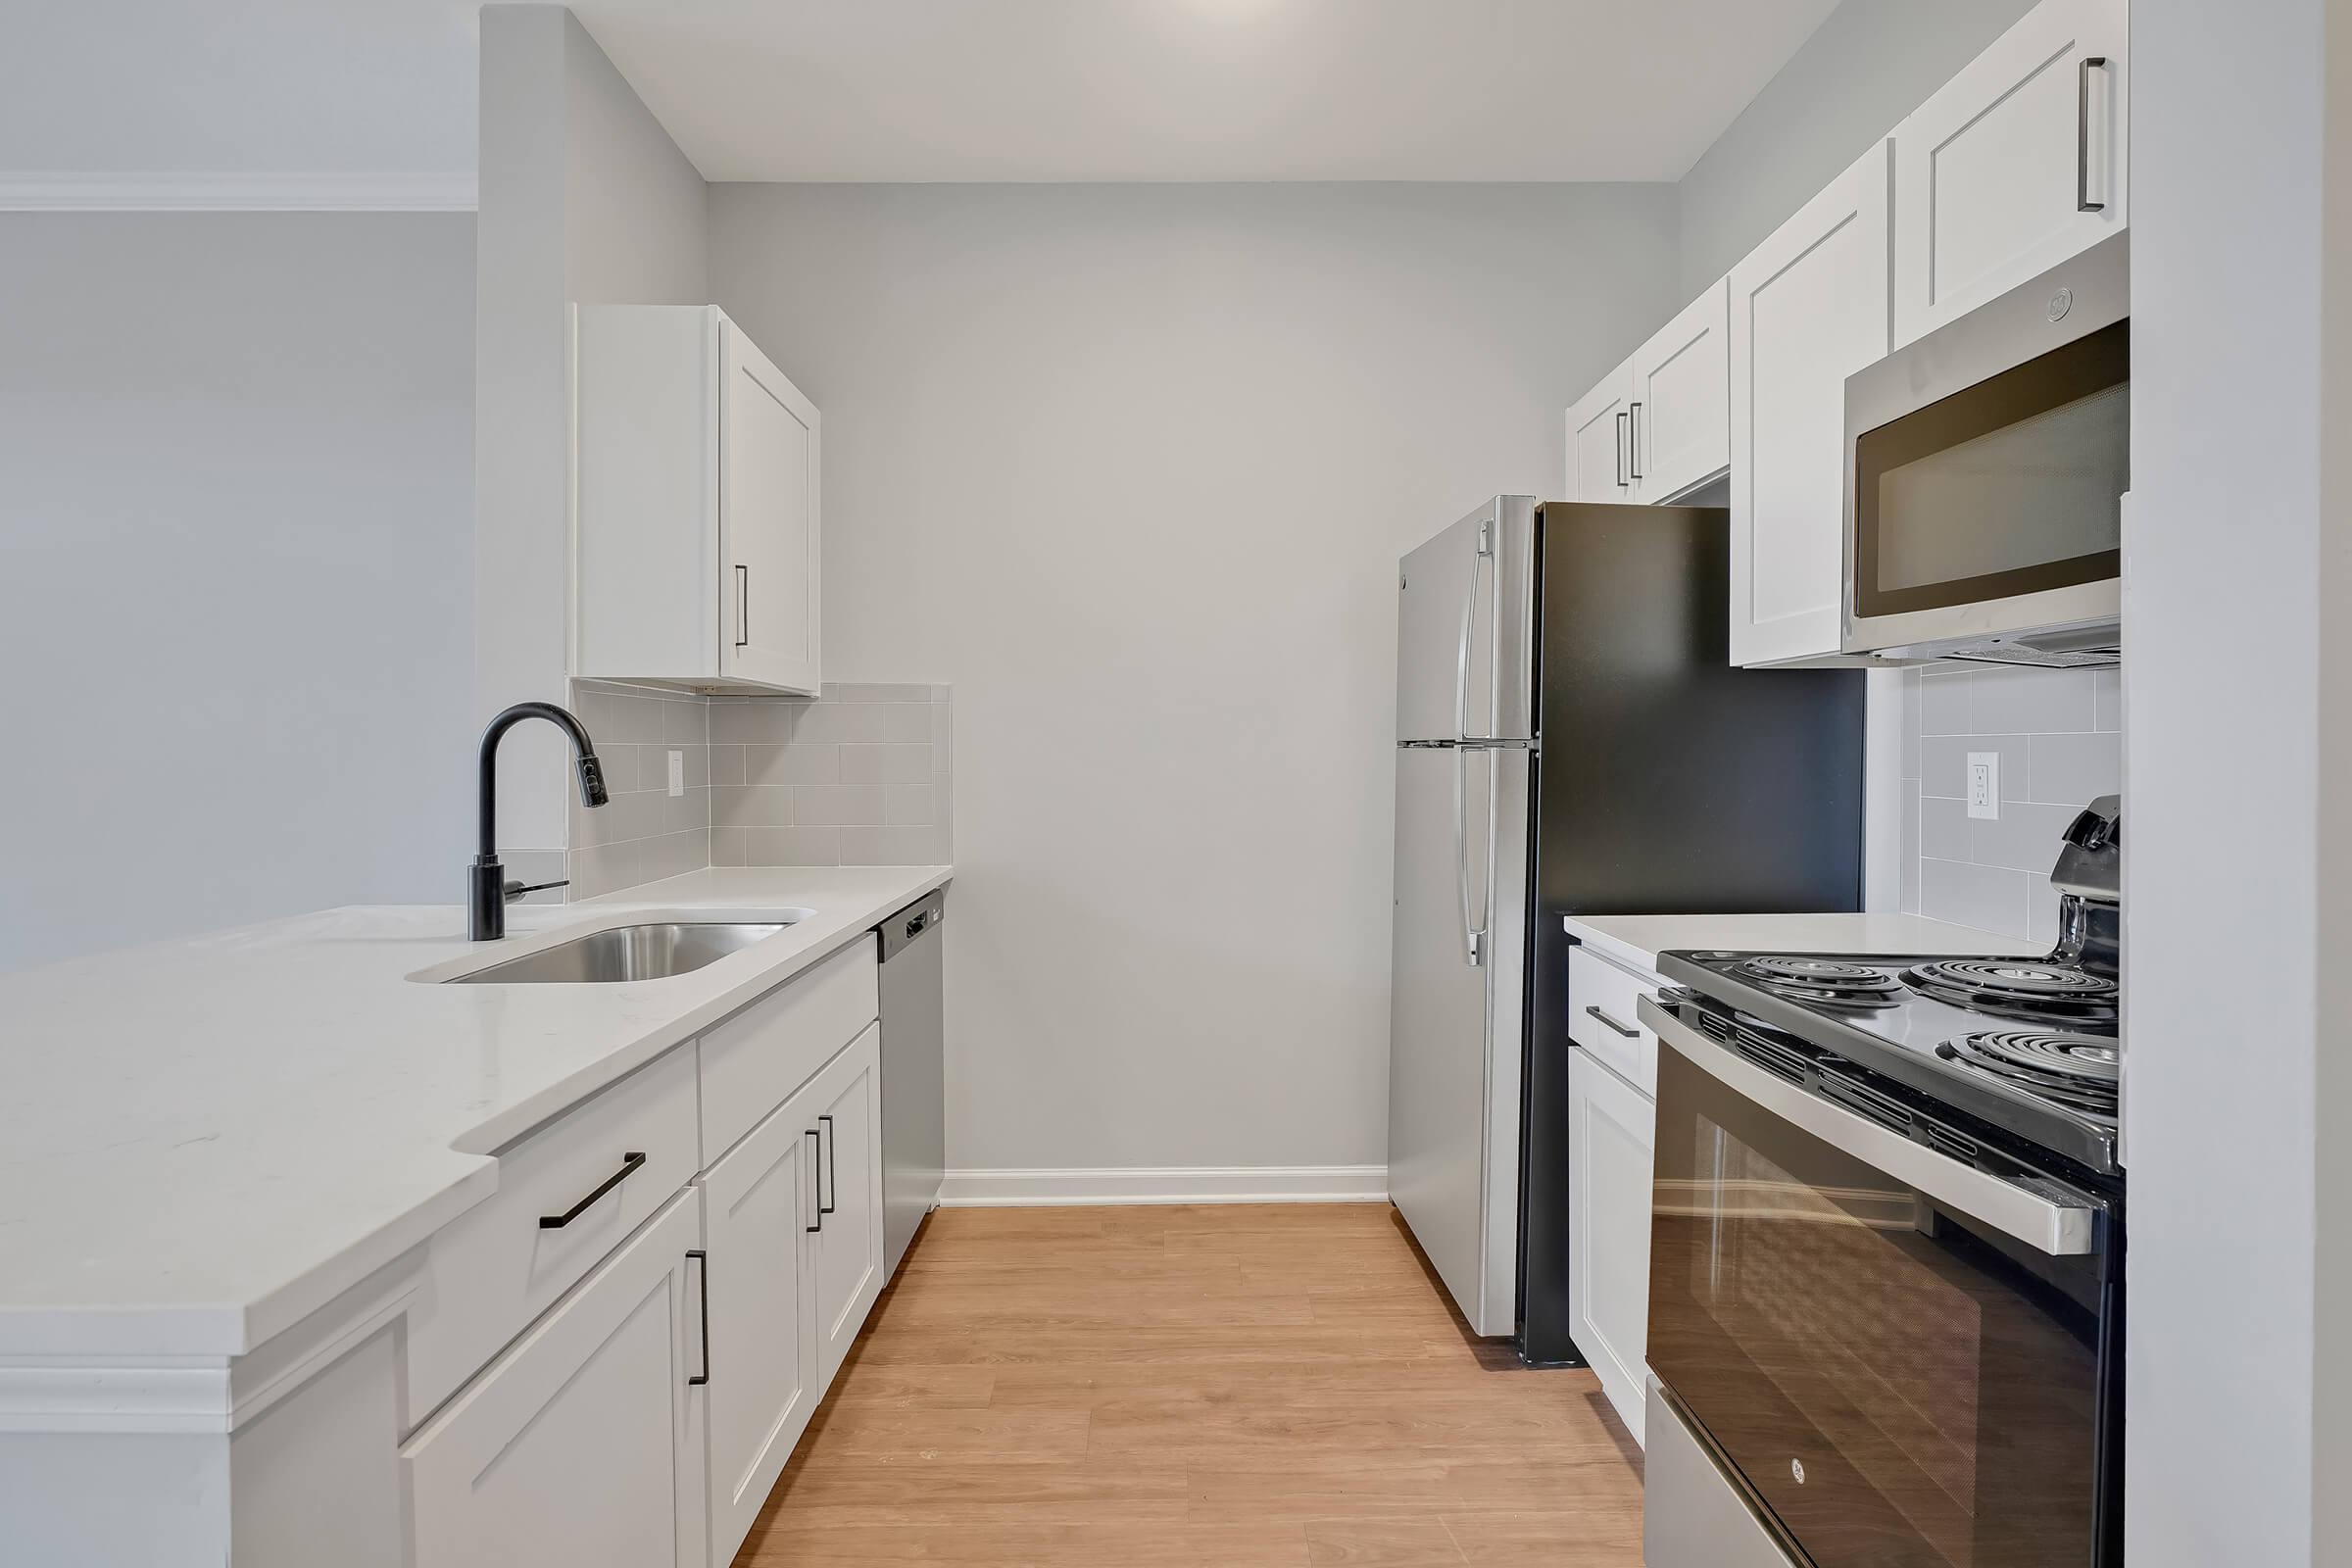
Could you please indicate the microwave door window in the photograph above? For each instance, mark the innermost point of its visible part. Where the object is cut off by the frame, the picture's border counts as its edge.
(2033, 494)
(2012, 486)
(1902, 1392)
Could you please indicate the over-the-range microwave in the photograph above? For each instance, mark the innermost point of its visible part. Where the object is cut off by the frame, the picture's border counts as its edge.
(1985, 468)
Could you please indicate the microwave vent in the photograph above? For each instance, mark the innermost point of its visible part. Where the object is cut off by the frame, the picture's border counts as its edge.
(2064, 647)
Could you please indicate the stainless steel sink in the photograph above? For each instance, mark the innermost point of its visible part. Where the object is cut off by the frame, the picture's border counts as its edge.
(627, 953)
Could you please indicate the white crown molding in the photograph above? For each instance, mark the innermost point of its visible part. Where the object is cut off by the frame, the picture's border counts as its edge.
(237, 193)
(1181, 1184)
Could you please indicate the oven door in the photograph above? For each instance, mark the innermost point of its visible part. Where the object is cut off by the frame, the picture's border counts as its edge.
(1907, 1361)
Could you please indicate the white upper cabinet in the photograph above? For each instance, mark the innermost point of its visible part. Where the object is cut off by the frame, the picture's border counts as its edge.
(1678, 414)
(1808, 309)
(2020, 161)
(1598, 432)
(696, 527)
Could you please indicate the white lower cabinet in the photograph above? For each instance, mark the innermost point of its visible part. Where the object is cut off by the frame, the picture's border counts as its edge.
(643, 1420)
(1613, 1129)
(757, 1210)
(579, 1445)
(843, 1104)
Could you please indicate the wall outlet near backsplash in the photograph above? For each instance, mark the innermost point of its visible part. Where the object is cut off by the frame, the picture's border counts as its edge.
(859, 775)
(1996, 763)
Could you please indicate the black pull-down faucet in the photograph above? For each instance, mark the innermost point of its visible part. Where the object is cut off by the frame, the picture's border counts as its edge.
(487, 890)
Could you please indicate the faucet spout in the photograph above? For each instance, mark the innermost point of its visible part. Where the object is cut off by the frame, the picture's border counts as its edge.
(485, 880)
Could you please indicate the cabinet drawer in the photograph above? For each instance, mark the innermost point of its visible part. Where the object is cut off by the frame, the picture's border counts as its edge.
(1601, 1001)
(496, 1269)
(769, 1049)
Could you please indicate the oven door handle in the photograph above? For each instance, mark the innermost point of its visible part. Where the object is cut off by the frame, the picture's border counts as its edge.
(2045, 1220)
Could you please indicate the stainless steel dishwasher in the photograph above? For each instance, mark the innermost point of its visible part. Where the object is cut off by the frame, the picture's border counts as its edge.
(914, 1115)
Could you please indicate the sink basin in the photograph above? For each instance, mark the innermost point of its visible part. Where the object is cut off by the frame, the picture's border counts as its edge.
(627, 953)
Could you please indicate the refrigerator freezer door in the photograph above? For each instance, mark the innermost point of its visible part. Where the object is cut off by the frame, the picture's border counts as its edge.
(1454, 1034)
(1465, 611)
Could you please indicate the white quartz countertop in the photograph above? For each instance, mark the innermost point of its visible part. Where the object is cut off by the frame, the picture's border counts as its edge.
(1639, 939)
(203, 1141)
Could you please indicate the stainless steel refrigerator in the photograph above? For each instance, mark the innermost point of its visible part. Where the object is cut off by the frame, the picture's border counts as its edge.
(1571, 738)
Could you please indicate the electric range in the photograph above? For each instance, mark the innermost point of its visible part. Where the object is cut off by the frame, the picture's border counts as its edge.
(1887, 1252)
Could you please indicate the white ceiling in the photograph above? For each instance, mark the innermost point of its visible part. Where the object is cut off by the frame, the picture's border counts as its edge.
(920, 89)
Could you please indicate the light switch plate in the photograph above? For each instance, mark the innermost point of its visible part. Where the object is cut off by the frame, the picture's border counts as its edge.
(677, 772)
(1984, 785)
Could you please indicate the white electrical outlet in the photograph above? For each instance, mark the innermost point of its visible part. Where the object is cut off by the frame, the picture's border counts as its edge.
(1984, 784)
(677, 772)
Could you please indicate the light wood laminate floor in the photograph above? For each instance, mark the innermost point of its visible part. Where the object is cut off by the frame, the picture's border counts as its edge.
(1226, 1387)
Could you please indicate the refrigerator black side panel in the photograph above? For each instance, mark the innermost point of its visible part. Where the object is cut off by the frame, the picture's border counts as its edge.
(1669, 782)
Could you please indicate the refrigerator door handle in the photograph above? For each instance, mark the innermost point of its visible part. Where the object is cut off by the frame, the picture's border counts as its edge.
(1461, 761)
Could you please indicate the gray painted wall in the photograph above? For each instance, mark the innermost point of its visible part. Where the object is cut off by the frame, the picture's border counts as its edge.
(2237, 730)
(1868, 65)
(1132, 467)
(236, 521)
(584, 200)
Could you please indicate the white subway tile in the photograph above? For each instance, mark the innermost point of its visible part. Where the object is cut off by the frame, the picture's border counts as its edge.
(2073, 770)
(2025, 837)
(792, 846)
(837, 804)
(885, 764)
(908, 804)
(792, 764)
(877, 723)
(1990, 898)
(893, 846)
(2107, 699)
(2031, 701)
(1945, 703)
(1943, 829)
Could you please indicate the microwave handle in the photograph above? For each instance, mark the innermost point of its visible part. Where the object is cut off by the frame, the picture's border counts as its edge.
(2049, 1222)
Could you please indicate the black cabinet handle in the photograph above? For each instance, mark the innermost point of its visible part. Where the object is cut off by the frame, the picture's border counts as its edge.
(742, 606)
(628, 1168)
(820, 1192)
(1633, 441)
(1618, 448)
(704, 1258)
(1629, 1034)
(828, 1143)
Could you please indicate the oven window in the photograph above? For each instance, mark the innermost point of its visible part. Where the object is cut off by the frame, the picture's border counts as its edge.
(2012, 486)
(1902, 1387)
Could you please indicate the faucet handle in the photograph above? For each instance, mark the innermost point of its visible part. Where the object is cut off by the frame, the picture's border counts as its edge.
(515, 890)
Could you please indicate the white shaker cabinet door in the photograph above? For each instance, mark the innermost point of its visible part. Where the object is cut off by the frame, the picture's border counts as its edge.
(844, 1104)
(2018, 163)
(1613, 1129)
(581, 1444)
(1679, 420)
(1808, 309)
(769, 520)
(1598, 434)
(759, 1210)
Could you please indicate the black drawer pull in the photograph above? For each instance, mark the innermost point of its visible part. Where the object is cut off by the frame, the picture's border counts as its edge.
(832, 1172)
(628, 1168)
(820, 1191)
(1629, 1034)
(704, 1258)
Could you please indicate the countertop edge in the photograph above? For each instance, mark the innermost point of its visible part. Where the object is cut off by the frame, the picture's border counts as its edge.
(98, 1334)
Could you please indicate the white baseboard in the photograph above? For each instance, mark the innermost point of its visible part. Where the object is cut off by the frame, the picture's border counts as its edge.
(1180, 1184)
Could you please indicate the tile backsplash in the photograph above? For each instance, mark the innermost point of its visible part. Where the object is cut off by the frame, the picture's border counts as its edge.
(856, 776)
(2059, 736)
(859, 776)
(645, 833)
